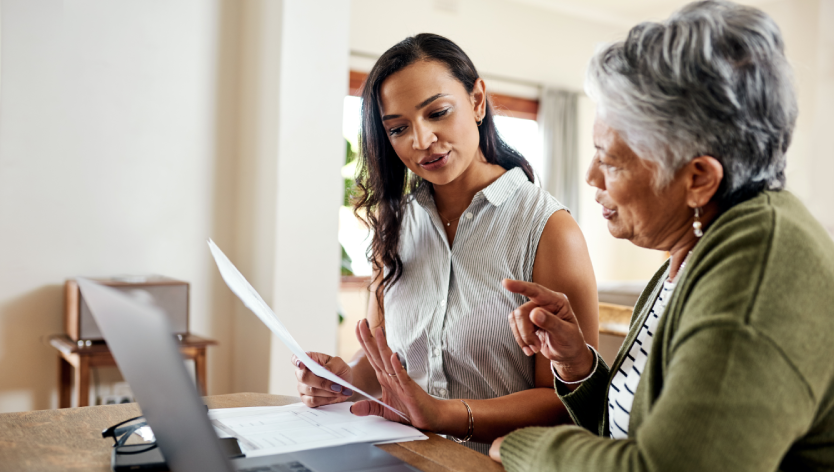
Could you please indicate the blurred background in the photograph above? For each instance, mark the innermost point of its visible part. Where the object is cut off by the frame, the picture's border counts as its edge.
(131, 131)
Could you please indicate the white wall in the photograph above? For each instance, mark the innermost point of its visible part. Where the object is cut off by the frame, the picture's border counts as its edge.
(295, 79)
(107, 166)
(809, 42)
(501, 37)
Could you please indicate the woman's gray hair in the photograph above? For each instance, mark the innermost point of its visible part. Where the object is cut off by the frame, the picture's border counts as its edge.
(711, 80)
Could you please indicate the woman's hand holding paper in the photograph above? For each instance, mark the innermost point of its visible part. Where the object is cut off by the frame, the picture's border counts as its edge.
(316, 391)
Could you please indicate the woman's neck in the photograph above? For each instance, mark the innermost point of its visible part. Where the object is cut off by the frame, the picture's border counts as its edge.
(453, 198)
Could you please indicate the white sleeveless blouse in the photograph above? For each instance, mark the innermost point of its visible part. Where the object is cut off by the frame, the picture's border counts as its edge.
(447, 315)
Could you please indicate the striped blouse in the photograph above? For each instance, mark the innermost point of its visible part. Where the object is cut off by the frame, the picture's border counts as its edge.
(624, 383)
(447, 315)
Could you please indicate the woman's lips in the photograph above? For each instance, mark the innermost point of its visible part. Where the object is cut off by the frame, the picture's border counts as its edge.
(435, 162)
(608, 213)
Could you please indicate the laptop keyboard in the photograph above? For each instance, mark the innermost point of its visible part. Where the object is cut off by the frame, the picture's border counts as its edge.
(285, 467)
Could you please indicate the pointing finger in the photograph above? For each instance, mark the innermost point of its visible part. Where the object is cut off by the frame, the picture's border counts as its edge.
(536, 293)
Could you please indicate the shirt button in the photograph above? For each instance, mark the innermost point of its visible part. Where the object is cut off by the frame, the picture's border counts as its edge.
(442, 392)
(469, 215)
(442, 303)
(436, 352)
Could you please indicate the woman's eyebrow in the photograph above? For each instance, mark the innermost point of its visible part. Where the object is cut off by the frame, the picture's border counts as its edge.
(426, 102)
(422, 104)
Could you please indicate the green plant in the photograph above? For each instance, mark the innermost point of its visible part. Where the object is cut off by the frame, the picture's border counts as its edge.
(348, 173)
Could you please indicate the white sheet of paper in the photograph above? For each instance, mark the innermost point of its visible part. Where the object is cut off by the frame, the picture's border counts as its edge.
(252, 300)
(274, 430)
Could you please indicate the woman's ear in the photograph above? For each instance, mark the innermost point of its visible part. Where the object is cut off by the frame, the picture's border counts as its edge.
(705, 174)
(479, 99)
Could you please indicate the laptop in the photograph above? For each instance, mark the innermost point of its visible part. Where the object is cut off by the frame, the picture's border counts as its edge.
(142, 342)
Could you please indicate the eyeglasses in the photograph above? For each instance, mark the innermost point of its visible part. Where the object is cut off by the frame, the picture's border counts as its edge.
(121, 432)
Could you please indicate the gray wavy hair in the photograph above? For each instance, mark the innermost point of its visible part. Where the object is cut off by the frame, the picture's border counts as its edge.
(710, 80)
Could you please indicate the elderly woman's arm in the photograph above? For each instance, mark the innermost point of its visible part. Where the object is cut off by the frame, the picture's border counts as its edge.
(731, 401)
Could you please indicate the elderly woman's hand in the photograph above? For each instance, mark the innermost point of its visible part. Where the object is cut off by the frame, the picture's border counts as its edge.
(548, 325)
(495, 450)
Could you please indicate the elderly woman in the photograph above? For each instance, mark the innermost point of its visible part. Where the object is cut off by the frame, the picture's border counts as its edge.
(729, 362)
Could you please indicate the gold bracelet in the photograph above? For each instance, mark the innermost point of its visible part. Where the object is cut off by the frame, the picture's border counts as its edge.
(470, 430)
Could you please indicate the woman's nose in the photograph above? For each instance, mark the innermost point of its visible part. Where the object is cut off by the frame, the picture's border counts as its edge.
(424, 137)
(594, 175)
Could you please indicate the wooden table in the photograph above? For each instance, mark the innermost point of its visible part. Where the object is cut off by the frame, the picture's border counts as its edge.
(70, 439)
(614, 319)
(75, 361)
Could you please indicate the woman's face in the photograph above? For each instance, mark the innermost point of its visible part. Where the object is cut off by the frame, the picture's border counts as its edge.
(625, 188)
(430, 120)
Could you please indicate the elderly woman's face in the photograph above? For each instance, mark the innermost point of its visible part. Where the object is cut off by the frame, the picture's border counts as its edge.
(635, 210)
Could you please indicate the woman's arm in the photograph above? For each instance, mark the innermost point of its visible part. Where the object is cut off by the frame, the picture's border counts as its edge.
(499, 416)
(492, 418)
(564, 265)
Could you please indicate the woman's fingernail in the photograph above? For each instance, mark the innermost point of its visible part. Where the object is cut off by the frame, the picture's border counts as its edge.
(526, 350)
(298, 363)
(368, 325)
(383, 332)
(336, 388)
(347, 392)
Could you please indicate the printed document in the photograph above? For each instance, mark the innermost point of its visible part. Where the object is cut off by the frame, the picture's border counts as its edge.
(252, 300)
(269, 430)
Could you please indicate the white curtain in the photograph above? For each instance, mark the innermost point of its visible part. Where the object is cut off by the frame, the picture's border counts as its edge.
(558, 128)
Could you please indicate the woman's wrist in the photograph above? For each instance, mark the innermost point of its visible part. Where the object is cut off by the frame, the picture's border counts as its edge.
(577, 369)
(452, 418)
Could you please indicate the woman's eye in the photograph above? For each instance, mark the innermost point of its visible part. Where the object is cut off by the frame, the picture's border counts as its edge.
(440, 113)
(395, 131)
(605, 164)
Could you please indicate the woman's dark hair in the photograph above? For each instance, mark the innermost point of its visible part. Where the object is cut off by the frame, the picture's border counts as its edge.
(384, 182)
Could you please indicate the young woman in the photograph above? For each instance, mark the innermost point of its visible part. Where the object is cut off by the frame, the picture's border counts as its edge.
(454, 211)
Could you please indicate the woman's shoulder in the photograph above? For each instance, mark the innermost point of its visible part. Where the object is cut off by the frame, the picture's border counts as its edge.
(528, 195)
(772, 221)
(763, 265)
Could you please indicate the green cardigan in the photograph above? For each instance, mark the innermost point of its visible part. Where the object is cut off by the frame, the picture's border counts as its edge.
(740, 376)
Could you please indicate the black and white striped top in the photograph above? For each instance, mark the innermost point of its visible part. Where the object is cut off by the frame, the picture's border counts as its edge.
(624, 383)
(447, 315)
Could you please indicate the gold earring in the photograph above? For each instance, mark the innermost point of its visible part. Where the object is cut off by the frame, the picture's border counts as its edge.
(480, 122)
